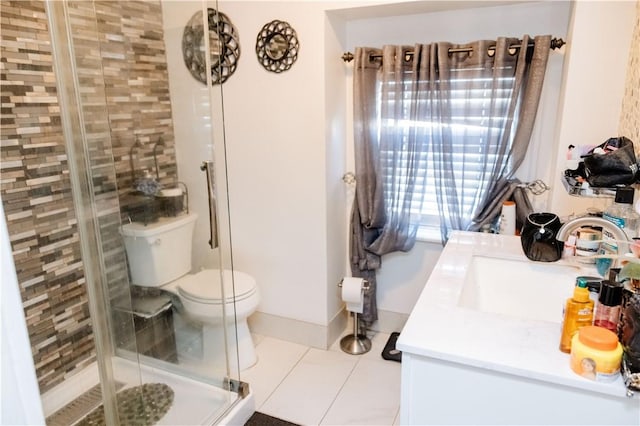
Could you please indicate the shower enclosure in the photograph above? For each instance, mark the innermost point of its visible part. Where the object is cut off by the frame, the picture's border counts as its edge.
(97, 88)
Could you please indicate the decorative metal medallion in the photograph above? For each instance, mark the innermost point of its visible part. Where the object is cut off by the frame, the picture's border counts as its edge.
(277, 46)
(224, 45)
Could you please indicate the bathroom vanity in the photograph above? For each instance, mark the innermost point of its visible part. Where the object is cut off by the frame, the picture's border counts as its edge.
(481, 344)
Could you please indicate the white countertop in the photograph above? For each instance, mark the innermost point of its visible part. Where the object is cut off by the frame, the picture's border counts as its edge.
(439, 328)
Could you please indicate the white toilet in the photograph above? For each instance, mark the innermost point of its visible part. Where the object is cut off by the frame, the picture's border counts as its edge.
(159, 255)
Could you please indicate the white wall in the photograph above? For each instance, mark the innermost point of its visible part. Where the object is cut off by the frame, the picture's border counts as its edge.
(276, 150)
(288, 134)
(594, 80)
(338, 194)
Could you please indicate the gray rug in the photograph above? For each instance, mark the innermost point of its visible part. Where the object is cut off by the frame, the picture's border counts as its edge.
(260, 419)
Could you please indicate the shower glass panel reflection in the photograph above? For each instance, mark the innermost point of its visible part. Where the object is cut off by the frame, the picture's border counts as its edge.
(137, 356)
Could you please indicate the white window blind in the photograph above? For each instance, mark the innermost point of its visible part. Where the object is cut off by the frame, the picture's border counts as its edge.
(476, 123)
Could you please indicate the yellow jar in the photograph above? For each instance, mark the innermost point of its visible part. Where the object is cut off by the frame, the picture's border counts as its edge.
(596, 354)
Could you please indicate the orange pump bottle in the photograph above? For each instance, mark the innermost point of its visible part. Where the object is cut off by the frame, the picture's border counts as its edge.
(578, 312)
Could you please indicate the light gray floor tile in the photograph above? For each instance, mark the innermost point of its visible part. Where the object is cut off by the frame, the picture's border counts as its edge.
(371, 396)
(308, 391)
(276, 359)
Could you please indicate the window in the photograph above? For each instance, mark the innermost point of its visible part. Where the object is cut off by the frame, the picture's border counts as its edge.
(477, 108)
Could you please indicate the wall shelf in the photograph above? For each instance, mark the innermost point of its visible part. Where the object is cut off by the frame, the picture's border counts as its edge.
(575, 188)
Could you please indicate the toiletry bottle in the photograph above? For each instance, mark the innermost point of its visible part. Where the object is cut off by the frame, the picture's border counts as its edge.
(607, 310)
(508, 218)
(622, 213)
(578, 312)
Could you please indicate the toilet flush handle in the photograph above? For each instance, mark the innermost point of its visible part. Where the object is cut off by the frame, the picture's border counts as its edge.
(156, 242)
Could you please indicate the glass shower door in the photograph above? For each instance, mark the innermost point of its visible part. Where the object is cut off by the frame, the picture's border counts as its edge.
(115, 63)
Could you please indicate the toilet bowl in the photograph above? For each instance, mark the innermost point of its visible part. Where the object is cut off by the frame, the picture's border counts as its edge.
(159, 256)
(201, 297)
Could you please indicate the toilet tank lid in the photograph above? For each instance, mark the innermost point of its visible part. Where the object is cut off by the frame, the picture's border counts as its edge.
(205, 285)
(164, 224)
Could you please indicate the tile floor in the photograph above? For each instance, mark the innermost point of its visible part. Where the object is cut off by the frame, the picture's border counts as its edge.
(309, 386)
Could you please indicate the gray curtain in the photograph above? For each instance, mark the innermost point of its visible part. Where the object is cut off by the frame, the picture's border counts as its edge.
(512, 83)
(389, 162)
(391, 151)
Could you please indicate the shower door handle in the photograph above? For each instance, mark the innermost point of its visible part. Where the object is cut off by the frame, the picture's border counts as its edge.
(207, 167)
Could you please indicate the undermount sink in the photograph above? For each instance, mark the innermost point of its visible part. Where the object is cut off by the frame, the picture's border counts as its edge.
(518, 288)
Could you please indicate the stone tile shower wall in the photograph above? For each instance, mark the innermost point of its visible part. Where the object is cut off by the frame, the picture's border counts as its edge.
(630, 117)
(137, 89)
(130, 103)
(36, 194)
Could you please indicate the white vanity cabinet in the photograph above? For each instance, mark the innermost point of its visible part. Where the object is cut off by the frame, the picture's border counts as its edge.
(437, 392)
(475, 363)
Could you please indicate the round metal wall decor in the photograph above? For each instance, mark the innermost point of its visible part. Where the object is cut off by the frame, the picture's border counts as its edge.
(224, 46)
(277, 46)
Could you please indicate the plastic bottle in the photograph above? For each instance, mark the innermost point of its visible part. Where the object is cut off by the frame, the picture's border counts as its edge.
(578, 312)
(607, 310)
(508, 218)
(622, 213)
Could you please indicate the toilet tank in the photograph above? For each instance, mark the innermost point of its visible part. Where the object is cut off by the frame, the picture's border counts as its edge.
(159, 252)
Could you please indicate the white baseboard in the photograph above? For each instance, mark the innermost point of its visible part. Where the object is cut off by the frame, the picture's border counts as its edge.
(315, 335)
(296, 331)
(337, 326)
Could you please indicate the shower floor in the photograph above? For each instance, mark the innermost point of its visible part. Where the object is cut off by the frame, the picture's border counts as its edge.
(141, 405)
(194, 402)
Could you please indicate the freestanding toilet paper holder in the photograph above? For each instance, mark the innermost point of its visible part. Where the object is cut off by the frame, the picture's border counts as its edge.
(356, 343)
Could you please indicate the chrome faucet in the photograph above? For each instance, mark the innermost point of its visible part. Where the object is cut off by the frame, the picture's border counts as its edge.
(622, 240)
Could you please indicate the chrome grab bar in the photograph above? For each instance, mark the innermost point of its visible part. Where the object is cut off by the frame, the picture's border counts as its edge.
(207, 166)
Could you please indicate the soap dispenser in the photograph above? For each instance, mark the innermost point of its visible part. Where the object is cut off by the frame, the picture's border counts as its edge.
(607, 308)
(578, 312)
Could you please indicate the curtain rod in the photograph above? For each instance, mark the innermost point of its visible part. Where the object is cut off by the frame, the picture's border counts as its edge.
(556, 43)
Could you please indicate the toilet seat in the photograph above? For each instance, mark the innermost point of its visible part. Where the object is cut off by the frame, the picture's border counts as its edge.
(204, 286)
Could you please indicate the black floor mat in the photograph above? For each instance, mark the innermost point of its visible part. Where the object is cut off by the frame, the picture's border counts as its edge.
(260, 419)
(390, 352)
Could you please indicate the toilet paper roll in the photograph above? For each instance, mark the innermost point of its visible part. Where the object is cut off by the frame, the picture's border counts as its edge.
(353, 294)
